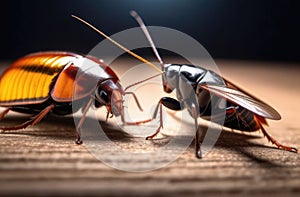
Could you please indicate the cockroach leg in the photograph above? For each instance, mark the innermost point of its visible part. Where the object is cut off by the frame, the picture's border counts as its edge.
(81, 121)
(78, 140)
(137, 122)
(198, 151)
(31, 122)
(159, 105)
(274, 141)
(168, 102)
(2, 115)
(136, 100)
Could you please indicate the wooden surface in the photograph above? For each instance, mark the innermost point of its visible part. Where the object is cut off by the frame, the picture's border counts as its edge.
(44, 161)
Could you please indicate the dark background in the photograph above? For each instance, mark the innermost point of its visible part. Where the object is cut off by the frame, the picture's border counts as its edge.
(257, 30)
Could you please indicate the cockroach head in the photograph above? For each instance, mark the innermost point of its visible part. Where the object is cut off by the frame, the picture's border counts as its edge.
(109, 94)
(170, 77)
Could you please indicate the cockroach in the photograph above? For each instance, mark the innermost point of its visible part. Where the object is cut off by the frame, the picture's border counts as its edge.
(42, 83)
(242, 110)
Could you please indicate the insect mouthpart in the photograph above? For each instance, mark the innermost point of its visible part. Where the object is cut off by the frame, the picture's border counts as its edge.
(116, 103)
(167, 88)
(115, 110)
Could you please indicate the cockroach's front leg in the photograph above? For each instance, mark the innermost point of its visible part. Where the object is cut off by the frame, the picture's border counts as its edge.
(198, 151)
(168, 102)
(81, 121)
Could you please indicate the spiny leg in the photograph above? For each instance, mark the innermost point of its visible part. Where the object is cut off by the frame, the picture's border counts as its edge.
(31, 122)
(274, 141)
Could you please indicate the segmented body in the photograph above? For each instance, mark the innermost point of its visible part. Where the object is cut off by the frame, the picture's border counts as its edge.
(236, 116)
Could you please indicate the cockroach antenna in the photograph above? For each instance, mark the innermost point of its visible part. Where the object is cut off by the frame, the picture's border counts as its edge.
(139, 20)
(117, 44)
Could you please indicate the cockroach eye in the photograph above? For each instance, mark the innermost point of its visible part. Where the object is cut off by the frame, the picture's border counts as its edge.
(104, 96)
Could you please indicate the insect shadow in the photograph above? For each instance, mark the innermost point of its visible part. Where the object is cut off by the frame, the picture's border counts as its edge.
(62, 129)
(57, 127)
(243, 145)
(65, 126)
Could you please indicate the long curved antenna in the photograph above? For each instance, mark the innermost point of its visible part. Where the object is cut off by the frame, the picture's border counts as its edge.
(117, 44)
(135, 15)
(136, 83)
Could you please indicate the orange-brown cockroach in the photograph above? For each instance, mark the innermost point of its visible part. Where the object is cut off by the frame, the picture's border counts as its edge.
(43, 82)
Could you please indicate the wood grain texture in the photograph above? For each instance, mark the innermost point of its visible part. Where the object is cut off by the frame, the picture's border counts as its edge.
(44, 161)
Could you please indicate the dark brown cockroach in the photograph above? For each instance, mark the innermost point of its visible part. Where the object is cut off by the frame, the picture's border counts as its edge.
(242, 110)
(43, 82)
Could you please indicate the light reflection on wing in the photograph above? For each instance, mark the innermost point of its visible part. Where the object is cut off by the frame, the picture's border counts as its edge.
(238, 96)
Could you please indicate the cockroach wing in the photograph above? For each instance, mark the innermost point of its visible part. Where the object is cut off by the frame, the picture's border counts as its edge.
(238, 96)
(30, 79)
(80, 78)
